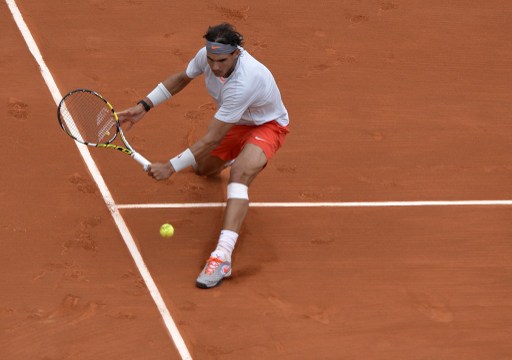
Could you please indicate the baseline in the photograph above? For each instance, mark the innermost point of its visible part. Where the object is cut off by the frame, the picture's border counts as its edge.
(324, 204)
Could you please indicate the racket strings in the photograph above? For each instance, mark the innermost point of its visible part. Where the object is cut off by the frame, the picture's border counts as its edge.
(88, 118)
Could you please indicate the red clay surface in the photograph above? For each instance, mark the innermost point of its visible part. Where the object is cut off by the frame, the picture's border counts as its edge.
(389, 101)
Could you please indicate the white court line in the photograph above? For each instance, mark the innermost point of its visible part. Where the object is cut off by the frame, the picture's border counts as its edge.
(324, 204)
(107, 197)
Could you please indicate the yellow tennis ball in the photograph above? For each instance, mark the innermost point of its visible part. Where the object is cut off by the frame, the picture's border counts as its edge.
(166, 230)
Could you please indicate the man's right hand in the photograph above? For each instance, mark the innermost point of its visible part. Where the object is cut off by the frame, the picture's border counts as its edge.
(128, 117)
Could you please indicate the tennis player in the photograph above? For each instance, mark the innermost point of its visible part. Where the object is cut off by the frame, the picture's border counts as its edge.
(249, 126)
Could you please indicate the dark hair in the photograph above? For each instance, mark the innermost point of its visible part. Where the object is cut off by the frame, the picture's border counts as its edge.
(224, 34)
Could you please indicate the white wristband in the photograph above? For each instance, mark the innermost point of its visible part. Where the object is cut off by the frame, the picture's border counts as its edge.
(159, 95)
(183, 160)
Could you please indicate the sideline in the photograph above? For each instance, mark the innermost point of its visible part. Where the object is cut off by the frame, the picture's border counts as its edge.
(107, 197)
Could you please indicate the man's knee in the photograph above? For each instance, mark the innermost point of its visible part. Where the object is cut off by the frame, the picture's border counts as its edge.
(242, 172)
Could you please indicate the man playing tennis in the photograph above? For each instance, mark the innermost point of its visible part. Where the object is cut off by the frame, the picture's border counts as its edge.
(250, 125)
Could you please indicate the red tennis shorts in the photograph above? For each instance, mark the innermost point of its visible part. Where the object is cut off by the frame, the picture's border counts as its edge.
(269, 137)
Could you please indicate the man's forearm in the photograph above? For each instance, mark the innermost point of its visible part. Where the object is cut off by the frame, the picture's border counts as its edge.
(176, 82)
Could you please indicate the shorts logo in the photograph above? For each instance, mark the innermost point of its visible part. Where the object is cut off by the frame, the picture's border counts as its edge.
(260, 139)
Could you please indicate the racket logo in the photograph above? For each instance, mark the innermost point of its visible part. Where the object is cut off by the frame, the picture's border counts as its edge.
(103, 116)
(115, 147)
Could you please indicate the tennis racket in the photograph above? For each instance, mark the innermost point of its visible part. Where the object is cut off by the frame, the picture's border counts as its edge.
(90, 119)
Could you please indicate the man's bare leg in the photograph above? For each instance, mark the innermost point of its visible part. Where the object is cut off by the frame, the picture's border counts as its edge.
(247, 166)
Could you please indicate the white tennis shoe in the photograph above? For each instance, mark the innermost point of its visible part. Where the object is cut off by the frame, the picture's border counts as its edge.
(213, 273)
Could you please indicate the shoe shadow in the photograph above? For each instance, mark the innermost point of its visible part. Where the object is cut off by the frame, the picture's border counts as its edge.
(246, 271)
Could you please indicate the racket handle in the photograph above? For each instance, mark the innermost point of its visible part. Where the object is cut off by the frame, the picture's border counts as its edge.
(141, 160)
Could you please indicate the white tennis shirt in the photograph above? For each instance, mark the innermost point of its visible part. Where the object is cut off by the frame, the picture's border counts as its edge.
(249, 96)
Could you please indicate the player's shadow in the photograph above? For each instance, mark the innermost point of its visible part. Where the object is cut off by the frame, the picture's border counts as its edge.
(246, 271)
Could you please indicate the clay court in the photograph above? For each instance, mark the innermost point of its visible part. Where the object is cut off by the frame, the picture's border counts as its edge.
(381, 230)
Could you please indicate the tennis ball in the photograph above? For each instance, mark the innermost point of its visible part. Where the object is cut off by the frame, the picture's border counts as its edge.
(166, 230)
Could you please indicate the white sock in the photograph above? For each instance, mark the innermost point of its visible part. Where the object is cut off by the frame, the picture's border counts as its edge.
(226, 244)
